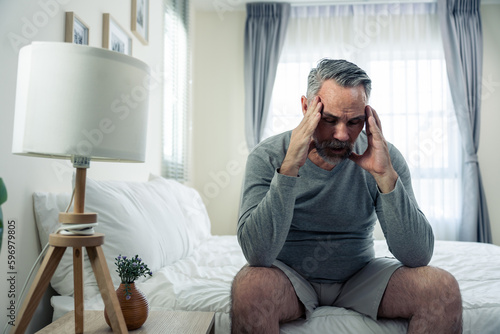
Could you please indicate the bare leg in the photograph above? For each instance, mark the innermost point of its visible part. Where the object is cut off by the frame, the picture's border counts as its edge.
(262, 298)
(429, 297)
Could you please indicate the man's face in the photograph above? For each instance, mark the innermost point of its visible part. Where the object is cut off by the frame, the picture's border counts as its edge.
(342, 119)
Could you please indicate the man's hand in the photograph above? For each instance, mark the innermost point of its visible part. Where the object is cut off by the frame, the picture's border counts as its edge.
(301, 141)
(376, 159)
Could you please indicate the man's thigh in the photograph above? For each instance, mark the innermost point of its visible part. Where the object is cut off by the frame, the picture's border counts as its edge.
(267, 290)
(411, 289)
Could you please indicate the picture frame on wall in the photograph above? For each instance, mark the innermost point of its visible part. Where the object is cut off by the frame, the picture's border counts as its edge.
(114, 37)
(76, 30)
(140, 20)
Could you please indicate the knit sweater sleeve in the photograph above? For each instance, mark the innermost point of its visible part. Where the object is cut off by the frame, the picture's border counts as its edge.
(266, 210)
(406, 229)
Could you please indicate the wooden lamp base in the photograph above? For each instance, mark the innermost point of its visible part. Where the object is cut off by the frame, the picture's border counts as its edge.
(57, 246)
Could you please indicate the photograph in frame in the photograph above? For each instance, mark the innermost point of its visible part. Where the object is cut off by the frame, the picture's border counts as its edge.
(140, 20)
(76, 30)
(114, 37)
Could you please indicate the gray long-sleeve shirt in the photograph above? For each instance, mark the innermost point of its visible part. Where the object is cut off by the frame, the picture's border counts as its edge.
(321, 222)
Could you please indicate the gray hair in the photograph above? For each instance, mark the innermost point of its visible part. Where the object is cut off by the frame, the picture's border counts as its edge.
(344, 73)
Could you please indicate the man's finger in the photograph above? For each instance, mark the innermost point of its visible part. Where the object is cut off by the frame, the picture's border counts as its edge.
(312, 146)
(373, 123)
(368, 113)
(313, 114)
(374, 128)
(374, 113)
(311, 106)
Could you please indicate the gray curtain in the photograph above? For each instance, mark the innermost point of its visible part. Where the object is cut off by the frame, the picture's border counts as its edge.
(265, 32)
(463, 47)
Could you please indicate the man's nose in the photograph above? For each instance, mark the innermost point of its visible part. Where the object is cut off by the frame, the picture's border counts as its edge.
(341, 132)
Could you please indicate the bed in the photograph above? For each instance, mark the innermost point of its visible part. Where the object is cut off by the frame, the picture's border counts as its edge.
(167, 224)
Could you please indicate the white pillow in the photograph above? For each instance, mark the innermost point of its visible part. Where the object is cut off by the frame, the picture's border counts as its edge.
(141, 218)
(193, 208)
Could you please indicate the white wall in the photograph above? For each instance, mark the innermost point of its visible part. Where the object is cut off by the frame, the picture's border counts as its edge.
(489, 158)
(43, 20)
(219, 147)
(219, 107)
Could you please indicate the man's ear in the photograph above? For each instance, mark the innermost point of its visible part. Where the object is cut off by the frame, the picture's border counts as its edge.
(303, 102)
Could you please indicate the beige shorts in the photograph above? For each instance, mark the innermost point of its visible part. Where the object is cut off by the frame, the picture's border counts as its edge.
(362, 292)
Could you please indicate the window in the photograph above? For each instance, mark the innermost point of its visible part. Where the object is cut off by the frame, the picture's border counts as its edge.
(415, 103)
(177, 90)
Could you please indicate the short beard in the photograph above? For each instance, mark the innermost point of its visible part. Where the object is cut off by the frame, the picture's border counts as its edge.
(323, 149)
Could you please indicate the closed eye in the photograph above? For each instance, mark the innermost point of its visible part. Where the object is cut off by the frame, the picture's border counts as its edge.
(330, 120)
(356, 121)
(334, 121)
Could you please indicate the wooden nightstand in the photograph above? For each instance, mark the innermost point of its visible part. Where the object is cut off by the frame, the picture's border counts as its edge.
(158, 322)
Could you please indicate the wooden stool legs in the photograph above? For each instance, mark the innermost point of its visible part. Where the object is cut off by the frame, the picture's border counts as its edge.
(58, 245)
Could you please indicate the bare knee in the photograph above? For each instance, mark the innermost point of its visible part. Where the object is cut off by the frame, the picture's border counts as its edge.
(261, 298)
(252, 287)
(431, 298)
(438, 290)
(449, 288)
(251, 305)
(251, 278)
(445, 299)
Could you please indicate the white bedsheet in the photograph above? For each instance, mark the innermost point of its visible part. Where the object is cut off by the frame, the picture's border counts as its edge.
(202, 282)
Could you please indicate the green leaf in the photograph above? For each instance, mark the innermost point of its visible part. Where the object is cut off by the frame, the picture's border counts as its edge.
(3, 192)
(3, 199)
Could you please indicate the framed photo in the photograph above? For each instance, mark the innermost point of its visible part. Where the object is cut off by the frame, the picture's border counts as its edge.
(140, 20)
(76, 30)
(114, 37)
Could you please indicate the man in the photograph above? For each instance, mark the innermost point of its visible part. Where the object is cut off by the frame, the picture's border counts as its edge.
(310, 200)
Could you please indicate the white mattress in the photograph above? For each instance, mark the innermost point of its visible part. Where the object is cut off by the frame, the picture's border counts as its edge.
(202, 282)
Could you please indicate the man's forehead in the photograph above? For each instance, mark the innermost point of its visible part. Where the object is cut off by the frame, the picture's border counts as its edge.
(336, 98)
(345, 114)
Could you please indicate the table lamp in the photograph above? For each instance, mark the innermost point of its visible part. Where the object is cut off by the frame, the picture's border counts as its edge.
(80, 103)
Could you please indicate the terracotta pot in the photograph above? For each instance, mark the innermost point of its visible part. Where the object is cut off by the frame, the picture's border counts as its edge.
(135, 310)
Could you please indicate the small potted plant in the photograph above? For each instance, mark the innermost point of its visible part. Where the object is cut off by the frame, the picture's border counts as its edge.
(133, 302)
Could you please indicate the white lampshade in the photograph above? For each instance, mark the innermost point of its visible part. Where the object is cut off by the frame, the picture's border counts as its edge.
(76, 100)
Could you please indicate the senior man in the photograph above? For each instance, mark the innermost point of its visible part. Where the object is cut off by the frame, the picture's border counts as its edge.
(310, 201)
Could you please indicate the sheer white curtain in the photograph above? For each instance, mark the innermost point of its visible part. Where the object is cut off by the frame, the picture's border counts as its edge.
(399, 45)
